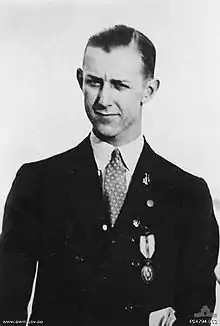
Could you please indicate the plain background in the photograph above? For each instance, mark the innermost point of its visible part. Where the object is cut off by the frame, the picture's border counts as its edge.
(41, 105)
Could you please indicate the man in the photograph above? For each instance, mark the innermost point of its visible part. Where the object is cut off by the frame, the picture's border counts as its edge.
(122, 236)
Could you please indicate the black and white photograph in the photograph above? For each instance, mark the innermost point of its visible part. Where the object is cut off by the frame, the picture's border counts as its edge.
(110, 164)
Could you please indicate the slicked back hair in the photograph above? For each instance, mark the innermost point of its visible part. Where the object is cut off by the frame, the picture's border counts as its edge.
(122, 35)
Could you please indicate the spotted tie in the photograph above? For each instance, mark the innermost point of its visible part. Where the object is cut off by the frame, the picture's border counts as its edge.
(115, 184)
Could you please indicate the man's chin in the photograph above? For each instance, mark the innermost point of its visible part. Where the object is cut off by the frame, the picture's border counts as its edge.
(104, 135)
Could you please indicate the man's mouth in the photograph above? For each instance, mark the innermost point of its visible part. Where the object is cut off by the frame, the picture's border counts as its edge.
(106, 114)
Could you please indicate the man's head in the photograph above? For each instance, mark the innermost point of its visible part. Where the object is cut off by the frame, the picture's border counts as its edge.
(117, 79)
(121, 35)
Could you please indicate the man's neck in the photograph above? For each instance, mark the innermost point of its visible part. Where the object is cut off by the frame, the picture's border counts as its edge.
(116, 141)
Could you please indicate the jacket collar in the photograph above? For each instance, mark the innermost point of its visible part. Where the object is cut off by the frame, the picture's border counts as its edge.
(87, 186)
(83, 158)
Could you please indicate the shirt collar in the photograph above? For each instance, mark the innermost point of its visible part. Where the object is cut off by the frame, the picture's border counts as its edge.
(130, 152)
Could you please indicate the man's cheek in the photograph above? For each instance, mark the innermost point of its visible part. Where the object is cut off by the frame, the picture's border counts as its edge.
(88, 101)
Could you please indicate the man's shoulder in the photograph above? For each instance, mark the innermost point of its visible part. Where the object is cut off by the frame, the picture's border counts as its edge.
(60, 162)
(170, 169)
(163, 169)
(178, 179)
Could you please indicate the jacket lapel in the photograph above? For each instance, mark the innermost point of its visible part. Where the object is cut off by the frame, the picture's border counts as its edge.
(141, 187)
(84, 188)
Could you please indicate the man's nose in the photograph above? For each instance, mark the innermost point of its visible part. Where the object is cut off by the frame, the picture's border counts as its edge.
(105, 96)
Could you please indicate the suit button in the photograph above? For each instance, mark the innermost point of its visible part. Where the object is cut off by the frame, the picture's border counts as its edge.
(135, 263)
(128, 307)
(104, 227)
(104, 278)
(113, 242)
(79, 259)
(53, 254)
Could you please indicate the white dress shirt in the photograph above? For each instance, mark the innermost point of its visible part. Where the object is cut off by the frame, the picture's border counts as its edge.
(130, 153)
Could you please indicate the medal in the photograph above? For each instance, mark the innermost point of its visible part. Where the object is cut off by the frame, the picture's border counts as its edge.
(147, 273)
(147, 248)
(147, 245)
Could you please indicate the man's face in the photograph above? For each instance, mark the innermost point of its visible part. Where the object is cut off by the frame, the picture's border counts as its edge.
(114, 88)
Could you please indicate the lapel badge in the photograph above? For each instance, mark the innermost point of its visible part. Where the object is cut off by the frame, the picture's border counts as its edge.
(146, 180)
(136, 223)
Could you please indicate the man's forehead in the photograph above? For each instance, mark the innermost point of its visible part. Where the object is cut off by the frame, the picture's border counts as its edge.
(119, 62)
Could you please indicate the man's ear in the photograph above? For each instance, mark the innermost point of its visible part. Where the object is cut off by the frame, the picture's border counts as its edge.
(151, 88)
(79, 76)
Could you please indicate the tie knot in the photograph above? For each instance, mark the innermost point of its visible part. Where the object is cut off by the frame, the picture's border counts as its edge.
(116, 154)
(116, 160)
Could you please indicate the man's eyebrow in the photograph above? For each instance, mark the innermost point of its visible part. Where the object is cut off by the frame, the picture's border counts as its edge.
(112, 80)
(119, 81)
(93, 77)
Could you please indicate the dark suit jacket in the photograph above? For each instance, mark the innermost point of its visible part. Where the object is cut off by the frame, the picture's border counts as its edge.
(88, 276)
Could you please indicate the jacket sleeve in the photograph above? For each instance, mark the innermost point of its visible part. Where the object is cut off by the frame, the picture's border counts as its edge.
(195, 297)
(18, 246)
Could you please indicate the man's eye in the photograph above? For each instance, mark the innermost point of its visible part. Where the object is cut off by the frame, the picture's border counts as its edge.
(120, 87)
(93, 83)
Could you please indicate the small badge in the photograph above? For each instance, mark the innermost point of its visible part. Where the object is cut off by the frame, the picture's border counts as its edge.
(146, 180)
(147, 273)
(136, 223)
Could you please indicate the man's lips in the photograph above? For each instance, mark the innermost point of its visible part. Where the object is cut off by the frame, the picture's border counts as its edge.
(106, 114)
